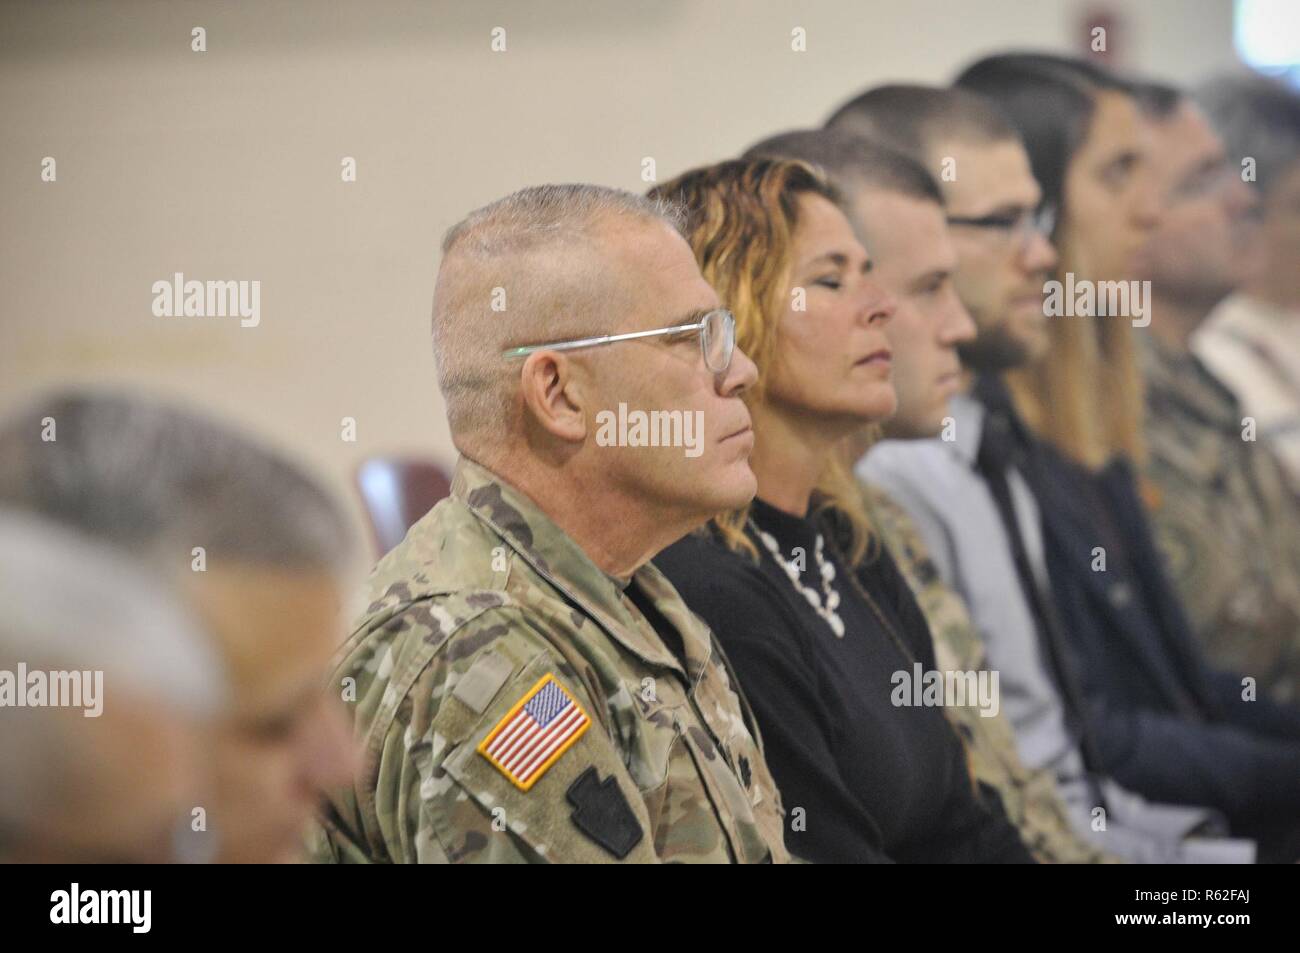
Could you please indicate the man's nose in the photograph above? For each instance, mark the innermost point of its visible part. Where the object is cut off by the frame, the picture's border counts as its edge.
(958, 325)
(1147, 201)
(740, 376)
(1039, 254)
(1242, 199)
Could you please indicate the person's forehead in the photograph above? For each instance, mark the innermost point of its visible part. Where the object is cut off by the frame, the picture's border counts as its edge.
(1183, 141)
(1115, 120)
(821, 228)
(904, 230)
(658, 271)
(990, 176)
(271, 623)
(886, 211)
(1191, 126)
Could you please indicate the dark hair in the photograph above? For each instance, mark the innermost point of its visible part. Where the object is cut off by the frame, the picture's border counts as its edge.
(909, 117)
(1158, 100)
(851, 161)
(1256, 117)
(1050, 100)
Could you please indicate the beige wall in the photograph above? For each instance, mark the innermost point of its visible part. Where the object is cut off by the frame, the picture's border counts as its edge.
(226, 164)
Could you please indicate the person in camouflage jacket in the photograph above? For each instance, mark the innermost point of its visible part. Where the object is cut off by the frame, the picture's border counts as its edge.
(524, 684)
(486, 599)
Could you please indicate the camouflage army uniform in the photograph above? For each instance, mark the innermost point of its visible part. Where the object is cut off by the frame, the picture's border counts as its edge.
(1227, 522)
(484, 601)
(1029, 798)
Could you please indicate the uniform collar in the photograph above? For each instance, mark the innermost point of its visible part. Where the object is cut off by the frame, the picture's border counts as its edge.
(554, 555)
(1180, 378)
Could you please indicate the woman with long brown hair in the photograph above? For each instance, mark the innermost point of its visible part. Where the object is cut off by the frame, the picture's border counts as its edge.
(812, 612)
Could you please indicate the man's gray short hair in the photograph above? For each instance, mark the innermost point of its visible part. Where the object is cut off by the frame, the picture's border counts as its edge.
(157, 480)
(1255, 117)
(533, 249)
(546, 214)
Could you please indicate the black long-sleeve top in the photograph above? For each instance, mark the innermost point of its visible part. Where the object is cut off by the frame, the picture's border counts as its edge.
(866, 780)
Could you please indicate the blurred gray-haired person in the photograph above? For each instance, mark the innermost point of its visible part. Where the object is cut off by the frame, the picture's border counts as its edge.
(255, 547)
(108, 690)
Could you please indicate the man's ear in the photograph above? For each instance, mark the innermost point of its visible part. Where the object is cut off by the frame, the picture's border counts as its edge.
(553, 393)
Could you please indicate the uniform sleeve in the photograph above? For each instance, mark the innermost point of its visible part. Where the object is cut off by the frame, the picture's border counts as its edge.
(446, 793)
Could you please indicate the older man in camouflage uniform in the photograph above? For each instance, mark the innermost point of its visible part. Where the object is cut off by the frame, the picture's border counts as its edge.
(527, 686)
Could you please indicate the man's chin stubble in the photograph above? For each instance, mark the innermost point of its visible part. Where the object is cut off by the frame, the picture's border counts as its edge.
(993, 352)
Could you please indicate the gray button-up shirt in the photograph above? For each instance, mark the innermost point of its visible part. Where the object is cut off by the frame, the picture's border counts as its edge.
(960, 523)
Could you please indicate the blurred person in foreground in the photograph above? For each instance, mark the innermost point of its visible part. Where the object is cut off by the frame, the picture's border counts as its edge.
(108, 692)
(254, 547)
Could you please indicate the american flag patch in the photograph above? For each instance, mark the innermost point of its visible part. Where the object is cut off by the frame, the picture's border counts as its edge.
(535, 732)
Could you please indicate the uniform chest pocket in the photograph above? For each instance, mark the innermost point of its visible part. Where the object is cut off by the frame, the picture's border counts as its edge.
(690, 774)
(652, 733)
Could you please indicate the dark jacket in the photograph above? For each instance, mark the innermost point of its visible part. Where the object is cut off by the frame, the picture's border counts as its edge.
(1166, 724)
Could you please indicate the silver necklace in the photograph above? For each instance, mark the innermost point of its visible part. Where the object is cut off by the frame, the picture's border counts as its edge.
(824, 567)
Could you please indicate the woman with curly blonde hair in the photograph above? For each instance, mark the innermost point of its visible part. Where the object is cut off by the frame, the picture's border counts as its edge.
(817, 621)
